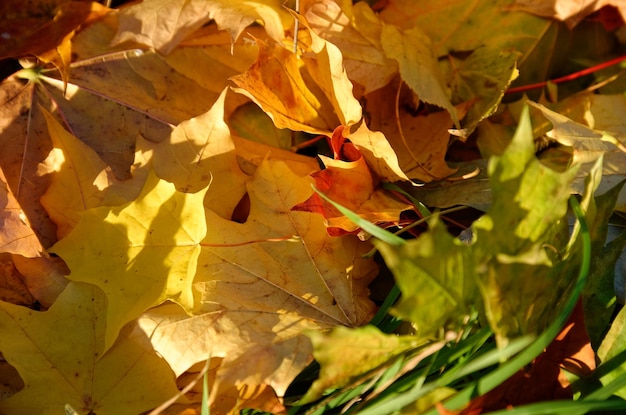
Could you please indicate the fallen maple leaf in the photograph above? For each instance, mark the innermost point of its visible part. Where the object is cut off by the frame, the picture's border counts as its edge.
(593, 129)
(141, 100)
(45, 29)
(198, 150)
(17, 237)
(419, 141)
(310, 93)
(519, 31)
(44, 277)
(351, 184)
(81, 180)
(356, 31)
(146, 249)
(376, 150)
(418, 65)
(163, 24)
(588, 144)
(24, 143)
(60, 356)
(12, 287)
(256, 292)
(476, 65)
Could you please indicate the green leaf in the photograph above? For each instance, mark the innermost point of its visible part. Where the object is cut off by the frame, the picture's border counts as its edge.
(521, 238)
(528, 198)
(344, 354)
(484, 76)
(612, 353)
(599, 299)
(436, 276)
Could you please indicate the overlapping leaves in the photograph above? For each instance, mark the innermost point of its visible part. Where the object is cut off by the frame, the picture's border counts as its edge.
(186, 243)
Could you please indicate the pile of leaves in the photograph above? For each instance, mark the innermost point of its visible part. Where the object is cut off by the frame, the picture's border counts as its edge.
(321, 206)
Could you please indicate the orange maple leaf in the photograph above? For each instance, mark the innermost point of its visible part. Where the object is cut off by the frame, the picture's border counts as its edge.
(347, 180)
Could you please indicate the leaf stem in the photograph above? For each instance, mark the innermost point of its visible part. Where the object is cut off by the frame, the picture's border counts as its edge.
(569, 77)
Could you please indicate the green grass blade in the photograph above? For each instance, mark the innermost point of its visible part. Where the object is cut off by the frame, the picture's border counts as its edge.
(379, 320)
(205, 395)
(421, 208)
(608, 390)
(367, 226)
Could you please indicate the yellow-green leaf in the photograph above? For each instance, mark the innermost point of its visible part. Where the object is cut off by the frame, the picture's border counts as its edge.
(413, 51)
(345, 354)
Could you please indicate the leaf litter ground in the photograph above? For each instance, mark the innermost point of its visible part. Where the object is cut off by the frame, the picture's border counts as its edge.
(181, 243)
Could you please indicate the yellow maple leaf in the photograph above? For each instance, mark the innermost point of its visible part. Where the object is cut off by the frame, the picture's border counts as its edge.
(257, 291)
(197, 150)
(356, 31)
(60, 356)
(140, 253)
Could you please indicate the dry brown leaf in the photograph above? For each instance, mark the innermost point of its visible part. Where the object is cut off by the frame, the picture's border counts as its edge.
(16, 234)
(44, 277)
(44, 28)
(12, 287)
(24, 143)
(163, 24)
(420, 140)
(380, 156)
(571, 12)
